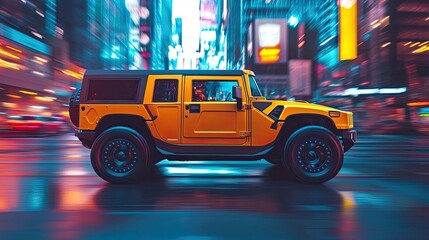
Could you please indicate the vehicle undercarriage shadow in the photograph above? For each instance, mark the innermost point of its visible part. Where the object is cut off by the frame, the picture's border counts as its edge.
(270, 192)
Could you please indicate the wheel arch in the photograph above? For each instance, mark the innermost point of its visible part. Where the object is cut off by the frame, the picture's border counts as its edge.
(135, 122)
(294, 122)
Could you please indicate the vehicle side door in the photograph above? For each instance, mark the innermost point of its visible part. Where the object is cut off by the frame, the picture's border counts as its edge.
(163, 100)
(210, 114)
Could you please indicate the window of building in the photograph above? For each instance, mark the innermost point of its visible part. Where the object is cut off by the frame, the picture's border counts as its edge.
(165, 90)
(212, 90)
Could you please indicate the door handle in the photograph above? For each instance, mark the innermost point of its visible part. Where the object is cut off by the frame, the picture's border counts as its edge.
(194, 108)
(187, 107)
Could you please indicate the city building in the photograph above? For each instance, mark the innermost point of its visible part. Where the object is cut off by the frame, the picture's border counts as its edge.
(97, 32)
(292, 18)
(26, 74)
(389, 76)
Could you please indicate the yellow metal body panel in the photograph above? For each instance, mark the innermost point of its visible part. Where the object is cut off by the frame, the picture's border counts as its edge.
(167, 115)
(167, 122)
(217, 122)
(262, 133)
(93, 113)
(345, 121)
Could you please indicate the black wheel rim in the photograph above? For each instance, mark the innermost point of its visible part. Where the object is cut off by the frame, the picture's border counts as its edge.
(314, 155)
(119, 156)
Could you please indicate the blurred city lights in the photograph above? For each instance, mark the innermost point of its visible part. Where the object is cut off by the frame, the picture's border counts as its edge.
(293, 21)
(39, 107)
(41, 59)
(10, 65)
(386, 44)
(327, 40)
(37, 34)
(45, 99)
(14, 49)
(8, 54)
(48, 90)
(13, 96)
(38, 73)
(72, 74)
(28, 92)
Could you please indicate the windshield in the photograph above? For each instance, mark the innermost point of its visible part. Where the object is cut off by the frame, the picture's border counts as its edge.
(254, 88)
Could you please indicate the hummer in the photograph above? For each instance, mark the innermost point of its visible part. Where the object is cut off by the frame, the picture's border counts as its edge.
(132, 119)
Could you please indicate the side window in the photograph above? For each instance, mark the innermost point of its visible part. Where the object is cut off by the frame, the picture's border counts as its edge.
(254, 88)
(165, 90)
(113, 89)
(212, 90)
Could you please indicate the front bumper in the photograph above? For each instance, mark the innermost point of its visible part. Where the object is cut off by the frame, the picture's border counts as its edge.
(349, 138)
(86, 137)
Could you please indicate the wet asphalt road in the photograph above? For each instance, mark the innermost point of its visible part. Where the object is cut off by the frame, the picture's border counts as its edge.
(48, 190)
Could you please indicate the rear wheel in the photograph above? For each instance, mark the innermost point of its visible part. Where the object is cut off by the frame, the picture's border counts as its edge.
(313, 154)
(120, 155)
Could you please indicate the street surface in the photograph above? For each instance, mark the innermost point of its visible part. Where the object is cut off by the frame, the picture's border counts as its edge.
(48, 190)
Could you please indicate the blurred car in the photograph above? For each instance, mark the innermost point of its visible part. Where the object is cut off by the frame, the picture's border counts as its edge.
(37, 124)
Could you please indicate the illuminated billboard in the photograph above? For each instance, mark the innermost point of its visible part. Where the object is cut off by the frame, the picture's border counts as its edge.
(270, 41)
(348, 29)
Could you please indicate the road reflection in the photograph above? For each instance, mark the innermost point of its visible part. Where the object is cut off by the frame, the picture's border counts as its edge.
(318, 206)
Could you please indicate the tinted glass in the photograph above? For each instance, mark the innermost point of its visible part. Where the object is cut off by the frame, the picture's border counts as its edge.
(165, 91)
(254, 88)
(212, 90)
(113, 89)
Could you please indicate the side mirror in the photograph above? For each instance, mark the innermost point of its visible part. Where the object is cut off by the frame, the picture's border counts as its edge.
(237, 94)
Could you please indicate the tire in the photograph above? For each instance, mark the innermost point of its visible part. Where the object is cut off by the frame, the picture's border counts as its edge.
(313, 154)
(120, 155)
(74, 107)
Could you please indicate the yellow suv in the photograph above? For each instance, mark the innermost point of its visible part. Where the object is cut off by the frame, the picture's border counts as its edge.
(133, 119)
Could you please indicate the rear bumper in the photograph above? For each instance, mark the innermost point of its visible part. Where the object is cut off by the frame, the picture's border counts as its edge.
(349, 138)
(86, 137)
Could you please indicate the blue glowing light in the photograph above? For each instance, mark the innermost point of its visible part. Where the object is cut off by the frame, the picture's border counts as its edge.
(293, 21)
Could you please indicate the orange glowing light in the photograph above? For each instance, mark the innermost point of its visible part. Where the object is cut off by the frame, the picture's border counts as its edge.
(14, 49)
(8, 54)
(45, 99)
(417, 104)
(269, 55)
(65, 113)
(72, 74)
(28, 92)
(6, 64)
(9, 105)
(13, 96)
(421, 49)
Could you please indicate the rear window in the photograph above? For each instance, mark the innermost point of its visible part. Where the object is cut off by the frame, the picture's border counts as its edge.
(111, 90)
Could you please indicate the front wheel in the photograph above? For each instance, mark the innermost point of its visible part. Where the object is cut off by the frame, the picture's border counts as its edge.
(120, 155)
(313, 154)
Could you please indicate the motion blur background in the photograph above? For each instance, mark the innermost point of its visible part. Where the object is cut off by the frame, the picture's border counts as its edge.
(368, 56)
